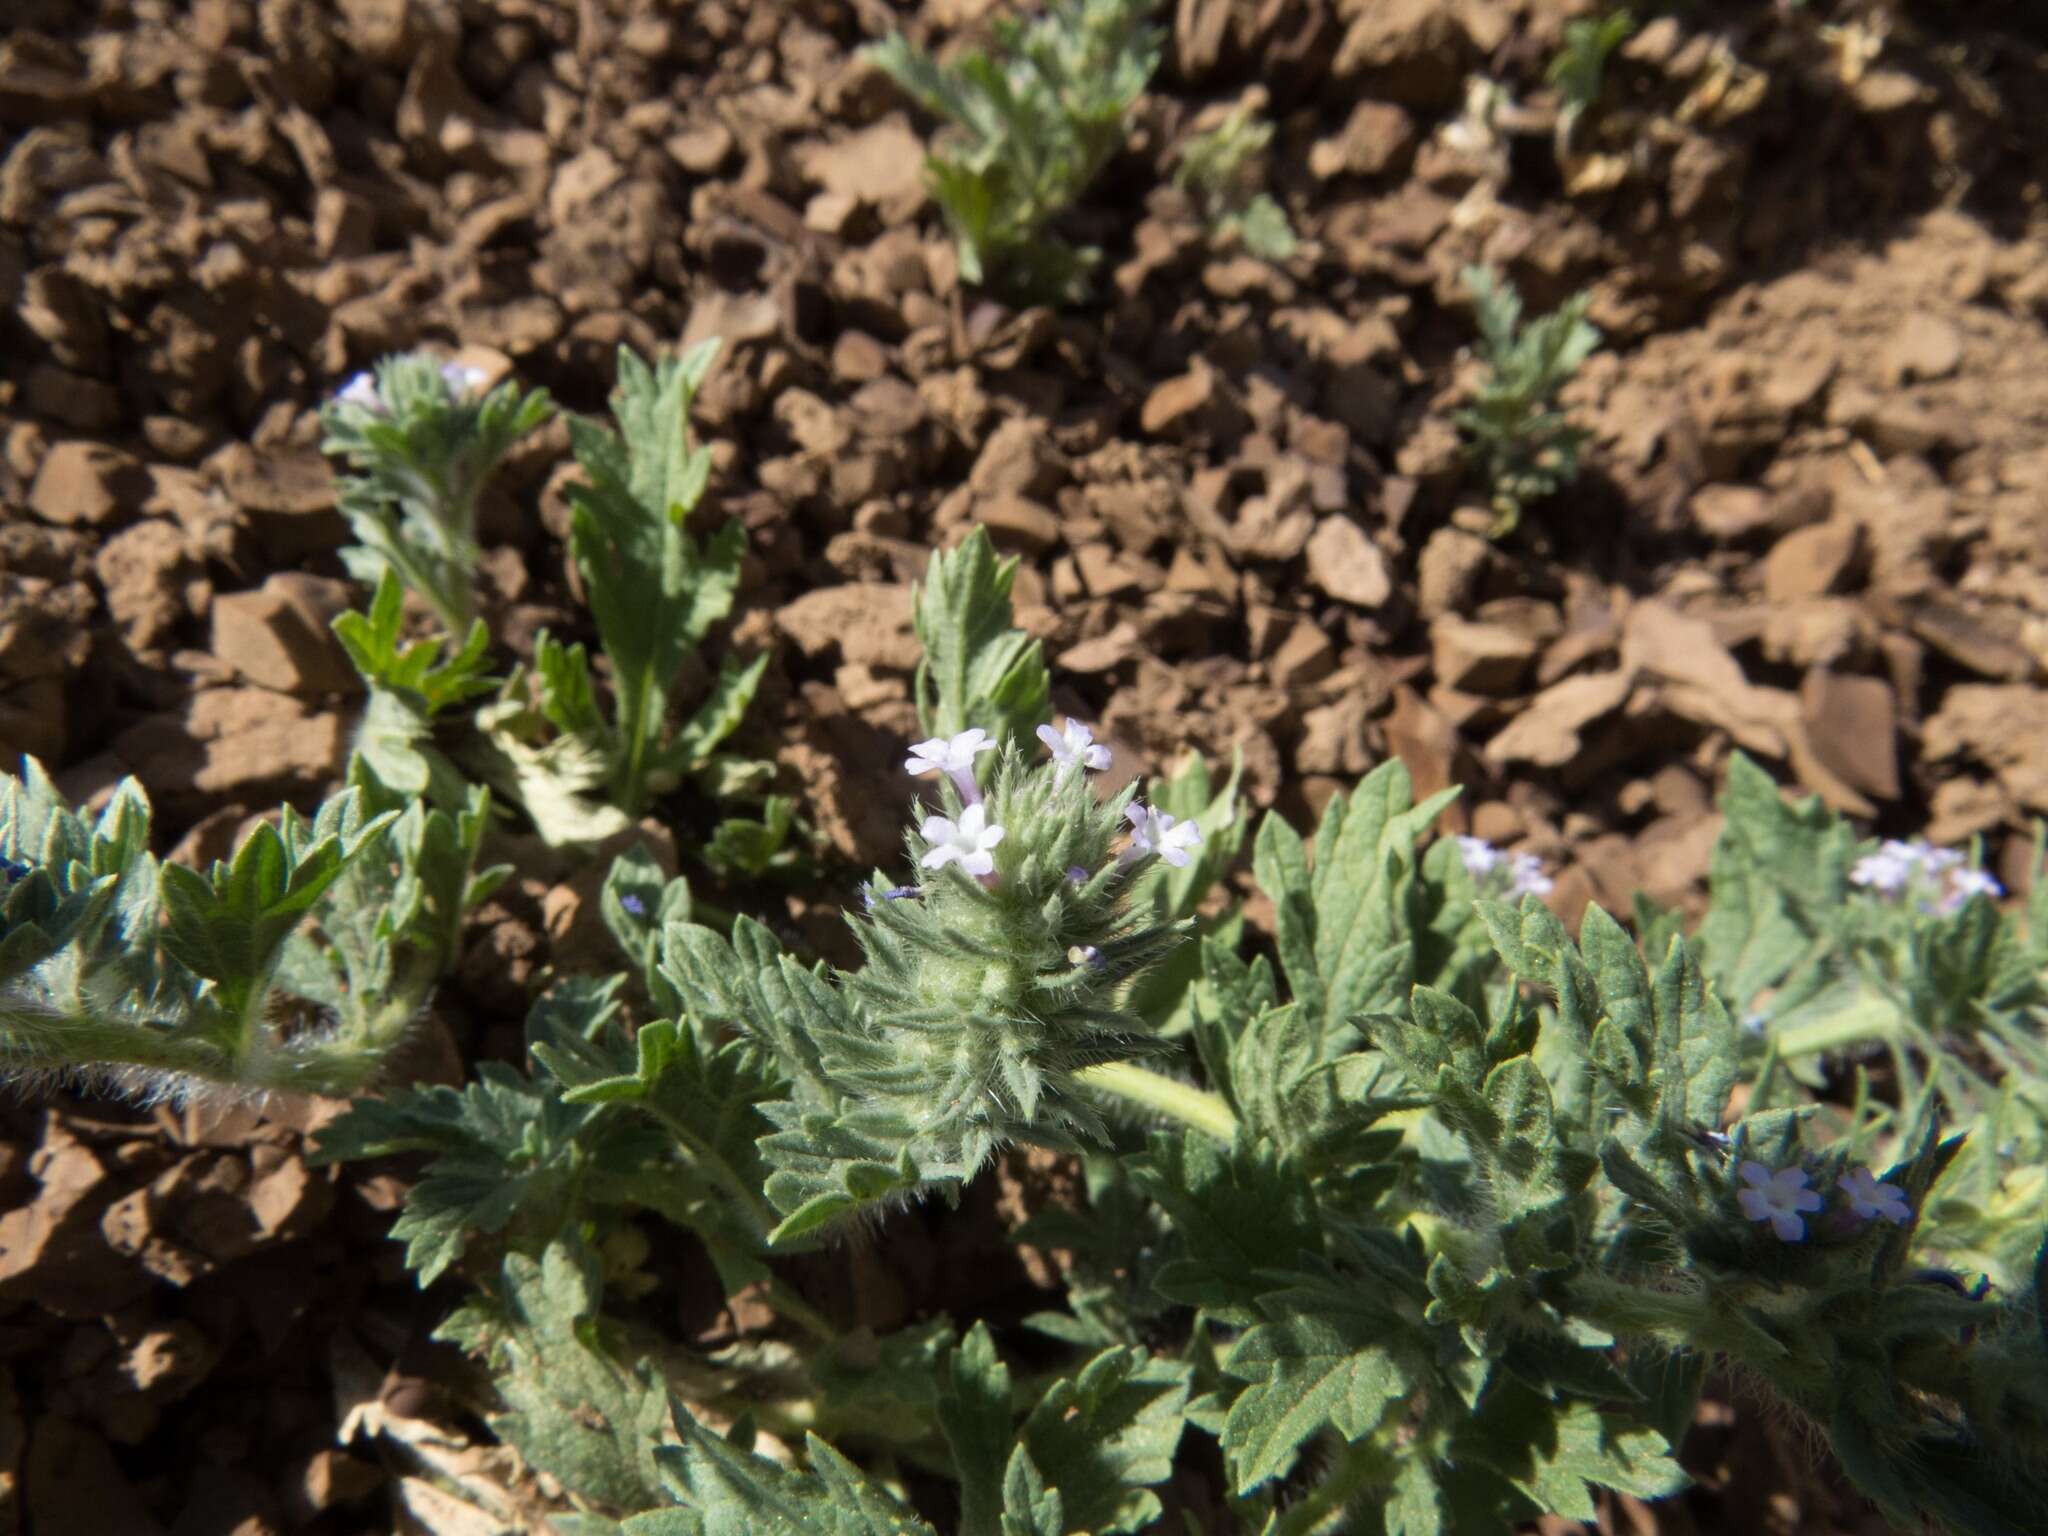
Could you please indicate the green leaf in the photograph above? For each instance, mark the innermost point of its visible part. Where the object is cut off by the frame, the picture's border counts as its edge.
(505, 1147)
(1104, 1436)
(726, 1491)
(1236, 1212)
(1030, 1508)
(974, 1412)
(1308, 1371)
(1345, 931)
(229, 924)
(1553, 1451)
(654, 591)
(976, 670)
(573, 1408)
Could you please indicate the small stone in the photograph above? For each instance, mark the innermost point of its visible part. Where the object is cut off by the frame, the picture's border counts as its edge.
(1346, 564)
(857, 357)
(1812, 561)
(867, 622)
(1852, 727)
(1449, 571)
(235, 741)
(1547, 733)
(145, 573)
(1303, 657)
(1480, 658)
(331, 1478)
(85, 482)
(1377, 136)
(1016, 522)
(343, 224)
(1924, 347)
(1017, 460)
(280, 637)
(1730, 512)
(1175, 403)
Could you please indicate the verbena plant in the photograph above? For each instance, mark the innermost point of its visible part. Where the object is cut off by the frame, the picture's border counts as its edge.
(1030, 126)
(1220, 169)
(424, 437)
(1520, 444)
(580, 759)
(299, 964)
(1579, 71)
(1433, 1218)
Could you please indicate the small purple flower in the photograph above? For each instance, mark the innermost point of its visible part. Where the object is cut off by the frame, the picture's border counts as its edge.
(1868, 1198)
(1965, 883)
(968, 842)
(1479, 856)
(1526, 877)
(464, 378)
(953, 756)
(1157, 831)
(633, 904)
(1073, 746)
(1780, 1198)
(1518, 874)
(361, 391)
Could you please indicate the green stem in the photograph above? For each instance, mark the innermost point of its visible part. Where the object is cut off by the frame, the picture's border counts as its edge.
(1194, 1107)
(43, 1040)
(1357, 1468)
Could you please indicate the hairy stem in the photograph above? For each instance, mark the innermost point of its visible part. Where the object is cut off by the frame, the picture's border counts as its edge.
(1194, 1107)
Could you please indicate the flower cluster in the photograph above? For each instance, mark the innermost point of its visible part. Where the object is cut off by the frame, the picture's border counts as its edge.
(971, 839)
(1515, 874)
(1939, 877)
(1782, 1198)
(462, 379)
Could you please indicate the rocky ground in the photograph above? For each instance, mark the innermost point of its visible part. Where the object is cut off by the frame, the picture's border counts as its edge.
(1813, 524)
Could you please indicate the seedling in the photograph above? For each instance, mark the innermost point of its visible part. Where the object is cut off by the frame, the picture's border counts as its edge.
(424, 436)
(1580, 69)
(1031, 125)
(160, 981)
(1220, 169)
(580, 760)
(1522, 446)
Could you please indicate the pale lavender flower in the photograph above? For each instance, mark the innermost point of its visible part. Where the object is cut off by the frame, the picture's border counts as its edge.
(966, 842)
(1888, 870)
(953, 756)
(361, 391)
(1868, 1198)
(633, 904)
(1073, 746)
(1480, 857)
(464, 378)
(1779, 1198)
(1155, 831)
(1526, 877)
(1518, 874)
(1965, 883)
